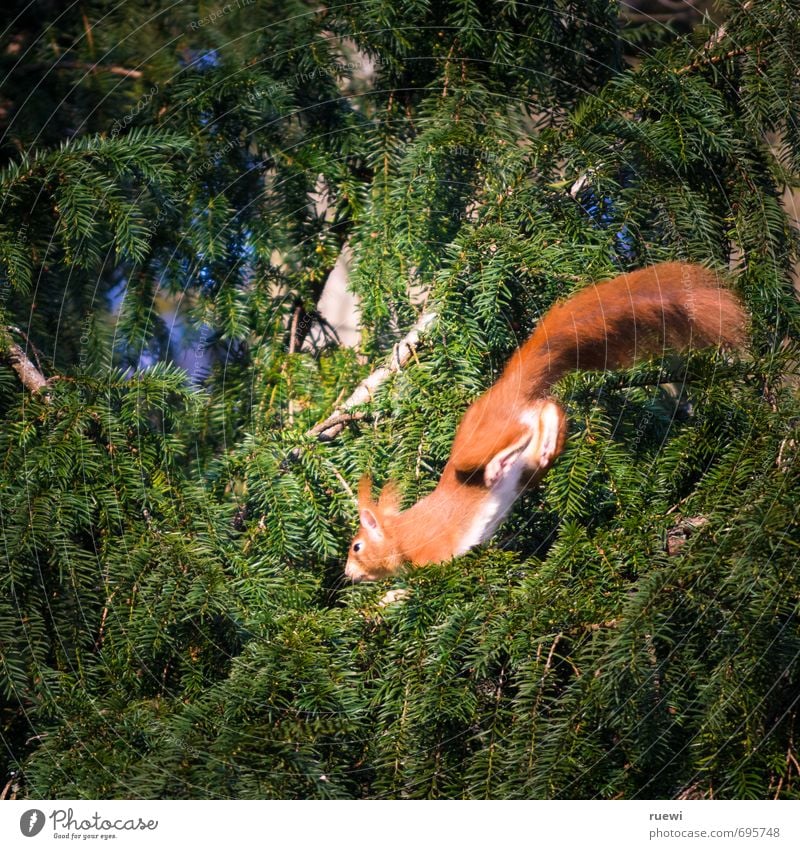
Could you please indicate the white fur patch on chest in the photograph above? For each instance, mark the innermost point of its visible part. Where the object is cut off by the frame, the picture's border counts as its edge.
(534, 451)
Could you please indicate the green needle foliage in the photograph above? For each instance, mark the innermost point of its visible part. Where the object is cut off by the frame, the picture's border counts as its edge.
(177, 186)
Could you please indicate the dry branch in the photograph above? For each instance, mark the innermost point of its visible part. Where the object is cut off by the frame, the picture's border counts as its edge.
(365, 391)
(89, 67)
(32, 379)
(334, 424)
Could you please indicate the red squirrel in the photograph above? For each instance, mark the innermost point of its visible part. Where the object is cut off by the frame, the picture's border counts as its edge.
(510, 436)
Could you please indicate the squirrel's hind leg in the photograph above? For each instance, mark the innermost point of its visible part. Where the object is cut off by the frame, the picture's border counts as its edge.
(530, 456)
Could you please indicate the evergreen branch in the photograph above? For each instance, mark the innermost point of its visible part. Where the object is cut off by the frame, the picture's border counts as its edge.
(614, 646)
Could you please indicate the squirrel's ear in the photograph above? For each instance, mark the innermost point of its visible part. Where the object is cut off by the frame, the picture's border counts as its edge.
(370, 523)
(365, 491)
(389, 500)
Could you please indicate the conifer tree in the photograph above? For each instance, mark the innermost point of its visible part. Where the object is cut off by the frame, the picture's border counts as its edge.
(178, 455)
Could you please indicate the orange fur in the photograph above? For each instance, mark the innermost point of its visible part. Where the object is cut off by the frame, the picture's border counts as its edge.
(510, 435)
(672, 306)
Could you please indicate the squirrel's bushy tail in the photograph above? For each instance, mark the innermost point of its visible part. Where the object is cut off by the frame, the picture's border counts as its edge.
(613, 324)
(672, 306)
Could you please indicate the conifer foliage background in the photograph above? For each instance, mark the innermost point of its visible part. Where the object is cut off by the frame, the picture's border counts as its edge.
(177, 184)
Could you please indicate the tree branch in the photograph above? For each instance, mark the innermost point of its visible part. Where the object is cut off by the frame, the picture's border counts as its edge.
(402, 352)
(32, 379)
(678, 534)
(89, 67)
(364, 392)
(713, 41)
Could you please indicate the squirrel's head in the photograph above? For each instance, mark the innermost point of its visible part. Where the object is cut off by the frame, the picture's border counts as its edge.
(374, 552)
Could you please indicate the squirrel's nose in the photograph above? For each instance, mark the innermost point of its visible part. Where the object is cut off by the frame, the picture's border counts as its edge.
(353, 572)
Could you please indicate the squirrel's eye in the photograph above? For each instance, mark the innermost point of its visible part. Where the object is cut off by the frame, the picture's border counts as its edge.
(357, 546)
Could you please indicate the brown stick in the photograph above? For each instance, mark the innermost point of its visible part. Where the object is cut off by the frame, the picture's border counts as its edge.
(89, 67)
(713, 41)
(332, 426)
(32, 379)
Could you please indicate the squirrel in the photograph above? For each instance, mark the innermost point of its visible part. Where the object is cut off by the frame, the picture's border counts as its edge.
(510, 436)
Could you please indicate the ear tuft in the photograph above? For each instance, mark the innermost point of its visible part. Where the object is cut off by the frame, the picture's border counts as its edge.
(389, 500)
(365, 491)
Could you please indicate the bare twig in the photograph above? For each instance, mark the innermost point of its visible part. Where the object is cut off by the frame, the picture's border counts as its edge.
(28, 345)
(89, 67)
(720, 57)
(335, 420)
(713, 41)
(12, 788)
(332, 426)
(549, 661)
(292, 349)
(598, 626)
(32, 379)
(787, 446)
(345, 486)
